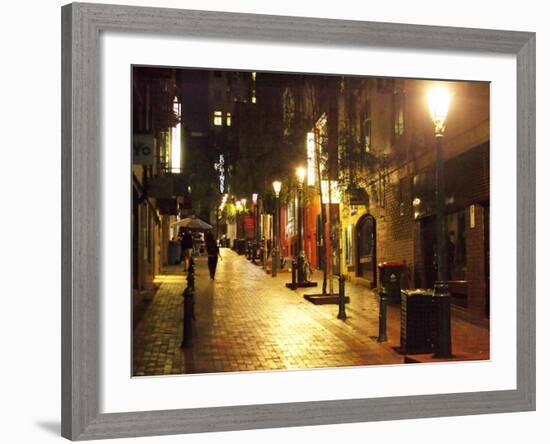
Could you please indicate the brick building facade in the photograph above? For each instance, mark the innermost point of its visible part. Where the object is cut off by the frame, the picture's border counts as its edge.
(399, 216)
(386, 167)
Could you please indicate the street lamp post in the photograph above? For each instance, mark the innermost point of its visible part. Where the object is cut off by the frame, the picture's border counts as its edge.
(439, 100)
(275, 260)
(256, 217)
(244, 228)
(301, 174)
(300, 259)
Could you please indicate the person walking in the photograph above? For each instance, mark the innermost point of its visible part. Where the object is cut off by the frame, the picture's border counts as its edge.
(213, 252)
(186, 248)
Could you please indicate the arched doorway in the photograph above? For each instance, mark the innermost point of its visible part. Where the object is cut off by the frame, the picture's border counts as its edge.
(366, 248)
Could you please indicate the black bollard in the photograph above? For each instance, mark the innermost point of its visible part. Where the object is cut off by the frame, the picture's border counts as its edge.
(294, 271)
(442, 310)
(341, 297)
(191, 273)
(382, 328)
(189, 306)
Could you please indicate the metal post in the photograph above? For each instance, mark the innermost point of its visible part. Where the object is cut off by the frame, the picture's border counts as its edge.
(441, 242)
(341, 297)
(300, 255)
(382, 317)
(294, 270)
(189, 306)
(441, 292)
(256, 231)
(275, 260)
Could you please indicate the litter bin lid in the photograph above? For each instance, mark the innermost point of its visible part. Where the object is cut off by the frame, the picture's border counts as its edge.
(390, 264)
(418, 292)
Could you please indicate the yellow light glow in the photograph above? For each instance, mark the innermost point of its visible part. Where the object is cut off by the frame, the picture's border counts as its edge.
(439, 99)
(301, 174)
(277, 187)
(217, 118)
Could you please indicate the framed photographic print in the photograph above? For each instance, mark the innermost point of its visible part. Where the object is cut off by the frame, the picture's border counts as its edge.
(278, 221)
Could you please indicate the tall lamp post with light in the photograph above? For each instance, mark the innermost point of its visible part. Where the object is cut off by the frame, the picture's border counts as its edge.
(276, 258)
(246, 246)
(439, 100)
(300, 260)
(256, 227)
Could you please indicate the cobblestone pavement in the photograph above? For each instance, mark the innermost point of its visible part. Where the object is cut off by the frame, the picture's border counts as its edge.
(246, 320)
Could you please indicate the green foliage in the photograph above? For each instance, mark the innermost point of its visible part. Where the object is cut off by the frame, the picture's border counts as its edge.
(356, 165)
(229, 212)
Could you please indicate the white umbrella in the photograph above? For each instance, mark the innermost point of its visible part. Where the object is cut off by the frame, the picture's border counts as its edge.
(193, 223)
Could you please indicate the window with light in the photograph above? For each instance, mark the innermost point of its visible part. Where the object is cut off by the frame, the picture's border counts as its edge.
(218, 118)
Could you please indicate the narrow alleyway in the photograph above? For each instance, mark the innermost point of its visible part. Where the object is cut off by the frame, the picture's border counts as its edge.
(246, 320)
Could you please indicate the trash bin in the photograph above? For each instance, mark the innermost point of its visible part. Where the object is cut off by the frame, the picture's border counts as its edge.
(390, 278)
(174, 253)
(417, 321)
(241, 246)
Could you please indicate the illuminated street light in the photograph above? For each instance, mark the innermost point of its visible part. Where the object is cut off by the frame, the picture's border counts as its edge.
(277, 187)
(439, 100)
(275, 260)
(301, 174)
(255, 198)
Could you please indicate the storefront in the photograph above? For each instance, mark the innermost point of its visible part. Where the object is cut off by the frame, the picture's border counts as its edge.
(467, 208)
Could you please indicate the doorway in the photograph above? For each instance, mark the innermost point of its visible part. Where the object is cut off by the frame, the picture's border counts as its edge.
(366, 248)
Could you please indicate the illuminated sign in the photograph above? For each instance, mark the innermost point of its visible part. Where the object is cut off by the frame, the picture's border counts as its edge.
(220, 167)
(176, 139)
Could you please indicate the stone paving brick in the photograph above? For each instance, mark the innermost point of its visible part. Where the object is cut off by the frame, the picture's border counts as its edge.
(248, 321)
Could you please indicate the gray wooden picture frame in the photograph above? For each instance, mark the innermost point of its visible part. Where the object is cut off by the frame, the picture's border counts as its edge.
(81, 233)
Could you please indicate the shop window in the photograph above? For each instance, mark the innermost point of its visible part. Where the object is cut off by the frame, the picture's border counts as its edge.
(228, 119)
(456, 245)
(404, 195)
(367, 127)
(349, 245)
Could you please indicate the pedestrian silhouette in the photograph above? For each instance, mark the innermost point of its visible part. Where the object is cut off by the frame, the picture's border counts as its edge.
(213, 252)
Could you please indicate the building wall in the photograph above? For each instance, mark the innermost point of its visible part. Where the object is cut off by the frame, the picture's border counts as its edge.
(408, 142)
(476, 263)
(152, 116)
(389, 120)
